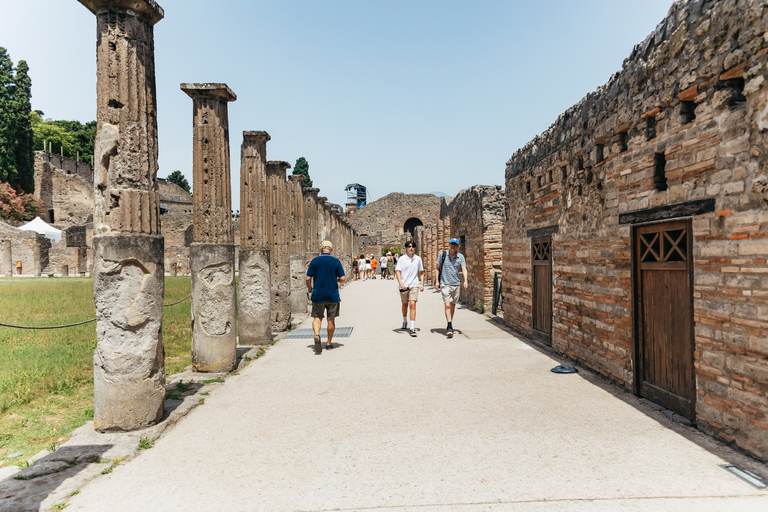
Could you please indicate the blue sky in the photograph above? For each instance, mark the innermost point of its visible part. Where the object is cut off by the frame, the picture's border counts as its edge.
(400, 96)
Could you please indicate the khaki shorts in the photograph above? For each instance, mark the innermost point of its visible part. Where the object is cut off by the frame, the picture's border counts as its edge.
(412, 294)
(450, 292)
(319, 308)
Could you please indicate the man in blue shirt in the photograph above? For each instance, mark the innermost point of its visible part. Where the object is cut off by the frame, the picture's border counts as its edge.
(449, 265)
(327, 273)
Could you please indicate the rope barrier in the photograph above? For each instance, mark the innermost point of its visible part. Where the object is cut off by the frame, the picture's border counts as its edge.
(78, 323)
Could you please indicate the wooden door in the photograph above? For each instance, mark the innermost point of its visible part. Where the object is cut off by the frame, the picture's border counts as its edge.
(542, 289)
(664, 323)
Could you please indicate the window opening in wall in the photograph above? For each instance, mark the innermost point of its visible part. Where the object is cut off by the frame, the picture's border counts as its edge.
(687, 112)
(538, 181)
(463, 245)
(650, 128)
(659, 172)
(736, 87)
(50, 215)
(580, 164)
(549, 176)
(527, 187)
(599, 150)
(623, 141)
(564, 170)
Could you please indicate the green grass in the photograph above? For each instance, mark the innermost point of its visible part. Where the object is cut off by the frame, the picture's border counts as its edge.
(46, 376)
(145, 443)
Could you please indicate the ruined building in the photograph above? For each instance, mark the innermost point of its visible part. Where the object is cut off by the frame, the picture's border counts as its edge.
(635, 241)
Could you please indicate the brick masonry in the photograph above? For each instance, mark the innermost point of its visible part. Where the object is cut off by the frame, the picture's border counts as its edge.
(685, 120)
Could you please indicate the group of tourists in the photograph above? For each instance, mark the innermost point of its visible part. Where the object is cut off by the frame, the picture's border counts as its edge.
(325, 273)
(367, 267)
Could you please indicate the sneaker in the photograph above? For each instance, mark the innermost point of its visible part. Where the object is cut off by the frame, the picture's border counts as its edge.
(413, 333)
(449, 333)
(405, 326)
(318, 346)
(329, 347)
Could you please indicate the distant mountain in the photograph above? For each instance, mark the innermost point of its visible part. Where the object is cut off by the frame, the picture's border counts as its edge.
(439, 194)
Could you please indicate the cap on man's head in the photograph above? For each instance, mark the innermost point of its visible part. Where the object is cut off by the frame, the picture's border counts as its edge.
(389, 254)
(454, 241)
(326, 245)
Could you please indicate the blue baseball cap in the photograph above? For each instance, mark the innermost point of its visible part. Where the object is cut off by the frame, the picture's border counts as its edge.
(454, 241)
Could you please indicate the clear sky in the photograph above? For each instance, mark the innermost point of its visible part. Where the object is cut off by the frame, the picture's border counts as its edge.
(407, 96)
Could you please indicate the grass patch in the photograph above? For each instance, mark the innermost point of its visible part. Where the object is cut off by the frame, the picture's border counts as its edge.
(60, 506)
(75, 492)
(145, 443)
(46, 376)
(201, 401)
(211, 381)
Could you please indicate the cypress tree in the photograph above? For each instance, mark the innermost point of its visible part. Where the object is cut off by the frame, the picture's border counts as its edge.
(25, 160)
(302, 168)
(8, 119)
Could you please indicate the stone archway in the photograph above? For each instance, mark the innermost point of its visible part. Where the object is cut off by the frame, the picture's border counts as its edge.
(410, 225)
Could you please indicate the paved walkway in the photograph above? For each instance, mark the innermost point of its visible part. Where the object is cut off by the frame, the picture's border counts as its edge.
(387, 422)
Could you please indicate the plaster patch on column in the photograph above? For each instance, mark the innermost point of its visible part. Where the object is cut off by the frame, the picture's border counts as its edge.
(216, 297)
(122, 290)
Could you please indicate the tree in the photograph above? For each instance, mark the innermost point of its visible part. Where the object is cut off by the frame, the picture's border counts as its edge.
(51, 132)
(18, 206)
(25, 160)
(302, 168)
(8, 119)
(179, 179)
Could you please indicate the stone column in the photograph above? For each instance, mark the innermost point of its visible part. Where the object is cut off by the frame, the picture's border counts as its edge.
(255, 318)
(310, 222)
(6, 258)
(298, 247)
(212, 253)
(128, 285)
(277, 215)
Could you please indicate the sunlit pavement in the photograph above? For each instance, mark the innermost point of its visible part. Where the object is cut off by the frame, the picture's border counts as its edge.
(389, 422)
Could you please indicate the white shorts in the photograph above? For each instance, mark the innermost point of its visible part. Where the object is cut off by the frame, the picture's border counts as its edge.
(450, 293)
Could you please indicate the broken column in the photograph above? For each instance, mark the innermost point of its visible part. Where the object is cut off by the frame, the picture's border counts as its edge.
(128, 286)
(277, 207)
(6, 258)
(298, 247)
(255, 319)
(212, 253)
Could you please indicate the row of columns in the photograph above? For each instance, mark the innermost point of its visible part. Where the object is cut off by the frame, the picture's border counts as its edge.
(281, 227)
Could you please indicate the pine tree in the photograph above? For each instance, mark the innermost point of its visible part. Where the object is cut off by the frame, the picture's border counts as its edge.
(8, 119)
(302, 168)
(179, 179)
(25, 159)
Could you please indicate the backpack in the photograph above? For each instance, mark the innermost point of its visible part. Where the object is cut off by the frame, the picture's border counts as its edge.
(442, 261)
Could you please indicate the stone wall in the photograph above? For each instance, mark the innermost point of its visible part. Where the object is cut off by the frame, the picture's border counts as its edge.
(387, 216)
(678, 133)
(28, 247)
(174, 197)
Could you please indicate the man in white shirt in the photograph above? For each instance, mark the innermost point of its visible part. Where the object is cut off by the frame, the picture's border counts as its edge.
(410, 279)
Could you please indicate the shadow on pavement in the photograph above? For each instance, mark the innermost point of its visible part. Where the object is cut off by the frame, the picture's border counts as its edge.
(728, 452)
(27, 490)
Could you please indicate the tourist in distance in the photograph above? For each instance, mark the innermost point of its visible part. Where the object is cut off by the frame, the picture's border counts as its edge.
(383, 266)
(355, 270)
(361, 266)
(410, 279)
(449, 264)
(324, 293)
(374, 263)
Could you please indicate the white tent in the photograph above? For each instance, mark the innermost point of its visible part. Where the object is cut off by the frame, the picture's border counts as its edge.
(40, 226)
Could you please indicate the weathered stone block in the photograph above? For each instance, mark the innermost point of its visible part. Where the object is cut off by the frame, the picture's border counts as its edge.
(255, 323)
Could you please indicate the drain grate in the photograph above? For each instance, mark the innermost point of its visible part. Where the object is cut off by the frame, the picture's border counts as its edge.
(340, 332)
(745, 475)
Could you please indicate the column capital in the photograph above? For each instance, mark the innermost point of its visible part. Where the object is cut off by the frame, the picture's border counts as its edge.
(210, 90)
(148, 7)
(256, 135)
(298, 178)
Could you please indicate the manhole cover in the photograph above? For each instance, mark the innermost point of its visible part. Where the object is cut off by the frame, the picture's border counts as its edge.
(340, 332)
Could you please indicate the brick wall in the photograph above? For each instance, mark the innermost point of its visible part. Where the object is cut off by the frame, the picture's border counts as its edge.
(476, 217)
(679, 132)
(387, 216)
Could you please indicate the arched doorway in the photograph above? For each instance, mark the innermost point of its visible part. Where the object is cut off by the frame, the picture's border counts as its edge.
(410, 227)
